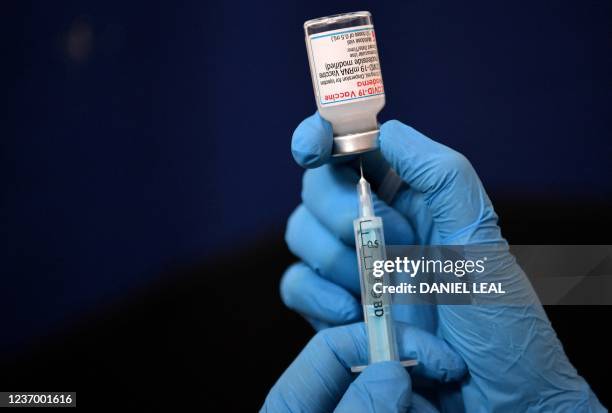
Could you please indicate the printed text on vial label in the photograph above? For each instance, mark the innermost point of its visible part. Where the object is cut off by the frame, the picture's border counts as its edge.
(346, 65)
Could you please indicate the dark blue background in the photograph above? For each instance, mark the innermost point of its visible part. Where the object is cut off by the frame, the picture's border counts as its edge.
(142, 137)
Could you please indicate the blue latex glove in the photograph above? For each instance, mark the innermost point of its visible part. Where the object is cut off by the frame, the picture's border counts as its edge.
(319, 379)
(515, 361)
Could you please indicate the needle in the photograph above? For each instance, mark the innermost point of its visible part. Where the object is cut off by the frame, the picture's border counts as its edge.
(361, 166)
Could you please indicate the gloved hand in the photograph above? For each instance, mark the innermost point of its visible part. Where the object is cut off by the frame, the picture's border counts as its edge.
(515, 361)
(319, 379)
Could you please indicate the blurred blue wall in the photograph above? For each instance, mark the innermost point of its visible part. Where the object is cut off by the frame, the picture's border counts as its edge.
(141, 137)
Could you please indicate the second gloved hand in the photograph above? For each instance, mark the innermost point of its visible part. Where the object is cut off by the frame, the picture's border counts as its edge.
(515, 361)
(319, 379)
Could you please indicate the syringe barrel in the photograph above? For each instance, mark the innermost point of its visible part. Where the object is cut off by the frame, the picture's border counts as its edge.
(370, 244)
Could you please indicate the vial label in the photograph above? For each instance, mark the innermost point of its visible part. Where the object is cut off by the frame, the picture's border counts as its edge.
(345, 65)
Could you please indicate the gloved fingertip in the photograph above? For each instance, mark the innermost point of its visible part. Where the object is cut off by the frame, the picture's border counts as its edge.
(391, 131)
(445, 367)
(381, 387)
(391, 124)
(351, 312)
(288, 283)
(437, 360)
(312, 142)
(308, 158)
(292, 230)
(329, 302)
(394, 139)
(450, 364)
(318, 325)
(386, 370)
(454, 370)
(304, 291)
(393, 135)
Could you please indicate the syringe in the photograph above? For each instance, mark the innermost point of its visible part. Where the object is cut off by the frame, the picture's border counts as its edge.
(370, 244)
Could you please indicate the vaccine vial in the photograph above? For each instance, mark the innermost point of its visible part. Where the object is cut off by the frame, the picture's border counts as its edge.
(346, 77)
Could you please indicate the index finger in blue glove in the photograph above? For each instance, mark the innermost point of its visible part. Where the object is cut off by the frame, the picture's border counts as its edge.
(312, 142)
(457, 200)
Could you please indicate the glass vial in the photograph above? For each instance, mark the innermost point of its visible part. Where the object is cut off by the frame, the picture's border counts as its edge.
(346, 77)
